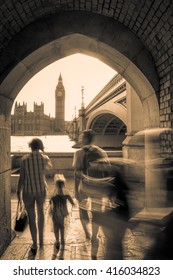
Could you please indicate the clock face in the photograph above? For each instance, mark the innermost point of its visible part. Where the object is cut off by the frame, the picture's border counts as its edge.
(59, 93)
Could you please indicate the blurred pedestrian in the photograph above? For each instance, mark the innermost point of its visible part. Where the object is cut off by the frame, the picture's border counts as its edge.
(115, 215)
(82, 162)
(59, 211)
(32, 188)
(112, 193)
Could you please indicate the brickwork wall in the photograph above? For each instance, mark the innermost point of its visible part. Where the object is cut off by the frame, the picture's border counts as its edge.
(166, 111)
(150, 20)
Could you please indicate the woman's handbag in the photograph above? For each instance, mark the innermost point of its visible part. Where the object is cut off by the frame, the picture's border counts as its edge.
(21, 220)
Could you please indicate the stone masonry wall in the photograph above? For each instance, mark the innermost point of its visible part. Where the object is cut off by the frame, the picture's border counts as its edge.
(5, 198)
(166, 111)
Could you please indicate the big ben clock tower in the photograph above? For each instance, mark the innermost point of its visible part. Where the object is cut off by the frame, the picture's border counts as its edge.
(59, 106)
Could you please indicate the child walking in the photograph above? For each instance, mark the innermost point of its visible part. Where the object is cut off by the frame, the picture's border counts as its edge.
(59, 211)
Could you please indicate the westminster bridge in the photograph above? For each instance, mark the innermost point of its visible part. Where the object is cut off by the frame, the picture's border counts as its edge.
(115, 114)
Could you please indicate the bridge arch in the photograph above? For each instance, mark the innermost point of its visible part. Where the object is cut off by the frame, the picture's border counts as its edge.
(110, 130)
(102, 122)
(114, 108)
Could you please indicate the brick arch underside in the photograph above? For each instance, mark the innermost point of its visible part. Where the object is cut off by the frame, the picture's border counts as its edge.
(55, 37)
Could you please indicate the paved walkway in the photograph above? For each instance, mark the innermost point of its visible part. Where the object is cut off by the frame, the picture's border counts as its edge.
(136, 241)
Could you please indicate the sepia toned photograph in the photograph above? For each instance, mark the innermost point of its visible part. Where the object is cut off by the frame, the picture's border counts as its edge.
(86, 130)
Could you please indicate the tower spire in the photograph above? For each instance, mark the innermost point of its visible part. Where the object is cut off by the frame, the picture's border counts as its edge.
(82, 104)
(60, 78)
(75, 112)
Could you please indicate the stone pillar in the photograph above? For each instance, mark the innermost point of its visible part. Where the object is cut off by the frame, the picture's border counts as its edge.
(135, 152)
(75, 132)
(82, 120)
(155, 170)
(135, 123)
(5, 171)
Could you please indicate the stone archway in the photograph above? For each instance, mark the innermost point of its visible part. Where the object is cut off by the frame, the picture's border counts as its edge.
(55, 37)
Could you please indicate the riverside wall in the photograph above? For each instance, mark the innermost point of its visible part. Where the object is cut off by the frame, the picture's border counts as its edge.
(62, 163)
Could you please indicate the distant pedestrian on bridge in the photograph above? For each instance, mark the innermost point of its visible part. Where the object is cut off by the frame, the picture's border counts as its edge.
(32, 188)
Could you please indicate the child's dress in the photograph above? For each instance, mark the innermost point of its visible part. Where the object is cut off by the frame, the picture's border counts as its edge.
(59, 208)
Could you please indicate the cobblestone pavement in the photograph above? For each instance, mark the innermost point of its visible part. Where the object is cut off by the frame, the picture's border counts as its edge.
(136, 241)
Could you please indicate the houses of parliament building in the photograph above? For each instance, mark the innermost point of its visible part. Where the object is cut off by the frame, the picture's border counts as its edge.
(37, 122)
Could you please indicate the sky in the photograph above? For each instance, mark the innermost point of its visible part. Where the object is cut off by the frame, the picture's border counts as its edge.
(77, 70)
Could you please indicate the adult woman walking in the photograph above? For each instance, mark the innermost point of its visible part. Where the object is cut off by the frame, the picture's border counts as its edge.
(32, 188)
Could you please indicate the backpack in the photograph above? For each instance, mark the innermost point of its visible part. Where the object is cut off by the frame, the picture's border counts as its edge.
(104, 180)
(91, 154)
(96, 181)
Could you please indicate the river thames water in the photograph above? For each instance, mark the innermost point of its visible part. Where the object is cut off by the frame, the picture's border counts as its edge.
(52, 143)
